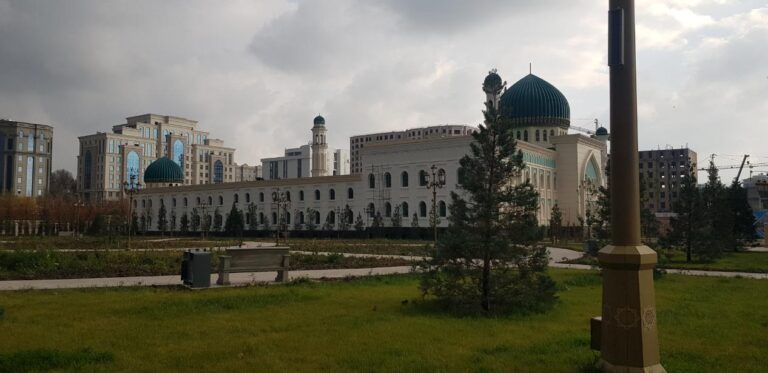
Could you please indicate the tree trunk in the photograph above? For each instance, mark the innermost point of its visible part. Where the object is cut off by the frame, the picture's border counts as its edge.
(486, 282)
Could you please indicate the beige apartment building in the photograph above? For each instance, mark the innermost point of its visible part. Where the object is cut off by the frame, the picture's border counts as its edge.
(106, 160)
(26, 154)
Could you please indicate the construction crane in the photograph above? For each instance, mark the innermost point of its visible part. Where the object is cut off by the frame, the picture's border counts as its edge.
(741, 167)
(586, 130)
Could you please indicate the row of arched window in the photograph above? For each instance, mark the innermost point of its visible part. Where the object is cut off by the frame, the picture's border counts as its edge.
(236, 196)
(442, 209)
(423, 179)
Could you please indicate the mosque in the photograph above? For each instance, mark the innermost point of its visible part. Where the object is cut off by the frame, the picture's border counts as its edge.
(392, 170)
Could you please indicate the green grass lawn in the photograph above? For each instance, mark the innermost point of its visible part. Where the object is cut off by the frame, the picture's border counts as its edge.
(732, 262)
(706, 324)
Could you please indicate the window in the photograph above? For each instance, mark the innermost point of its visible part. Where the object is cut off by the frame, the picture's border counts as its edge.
(332, 194)
(350, 193)
(247, 197)
(404, 179)
(387, 209)
(422, 178)
(387, 180)
(173, 202)
(210, 200)
(545, 135)
(87, 165)
(218, 172)
(404, 208)
(198, 200)
(237, 198)
(185, 202)
(287, 195)
(371, 210)
(332, 217)
(525, 135)
(537, 136)
(301, 217)
(551, 133)
(518, 135)
(301, 195)
(261, 197)
(443, 209)
(422, 209)
(371, 181)
(317, 195)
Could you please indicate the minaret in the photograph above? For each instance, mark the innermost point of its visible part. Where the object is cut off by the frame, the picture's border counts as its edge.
(492, 86)
(319, 148)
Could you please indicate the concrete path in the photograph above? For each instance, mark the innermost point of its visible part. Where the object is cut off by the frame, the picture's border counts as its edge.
(758, 249)
(237, 279)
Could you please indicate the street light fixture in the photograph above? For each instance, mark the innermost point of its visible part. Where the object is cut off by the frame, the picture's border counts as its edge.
(280, 201)
(130, 189)
(434, 181)
(77, 207)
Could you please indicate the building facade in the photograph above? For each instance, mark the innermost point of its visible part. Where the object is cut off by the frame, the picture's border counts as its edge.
(26, 156)
(566, 170)
(244, 172)
(660, 173)
(106, 160)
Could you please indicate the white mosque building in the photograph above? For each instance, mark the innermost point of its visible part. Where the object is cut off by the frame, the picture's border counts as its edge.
(389, 177)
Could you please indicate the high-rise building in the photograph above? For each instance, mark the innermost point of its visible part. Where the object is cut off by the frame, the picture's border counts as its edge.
(661, 172)
(26, 156)
(108, 159)
(244, 172)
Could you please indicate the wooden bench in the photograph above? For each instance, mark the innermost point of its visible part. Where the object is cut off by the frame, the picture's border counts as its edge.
(254, 260)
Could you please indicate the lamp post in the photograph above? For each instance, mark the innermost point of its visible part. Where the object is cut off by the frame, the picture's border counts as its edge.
(628, 334)
(77, 207)
(203, 219)
(280, 202)
(434, 181)
(131, 188)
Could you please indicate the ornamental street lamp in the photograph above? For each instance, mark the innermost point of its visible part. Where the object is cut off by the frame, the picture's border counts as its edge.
(130, 189)
(204, 219)
(77, 207)
(434, 181)
(280, 201)
(628, 334)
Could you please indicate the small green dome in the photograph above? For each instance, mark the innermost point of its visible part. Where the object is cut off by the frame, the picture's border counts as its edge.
(163, 170)
(319, 121)
(532, 101)
(492, 82)
(601, 131)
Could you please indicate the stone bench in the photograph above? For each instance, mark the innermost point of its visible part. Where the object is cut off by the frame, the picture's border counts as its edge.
(254, 260)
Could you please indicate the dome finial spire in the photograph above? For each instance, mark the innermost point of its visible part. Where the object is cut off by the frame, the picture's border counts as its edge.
(530, 68)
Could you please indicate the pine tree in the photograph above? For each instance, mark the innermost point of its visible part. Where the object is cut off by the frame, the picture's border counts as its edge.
(489, 257)
(253, 224)
(415, 221)
(717, 220)
(184, 223)
(195, 220)
(555, 223)
(162, 219)
(687, 226)
(359, 224)
(397, 219)
(234, 225)
(378, 221)
(742, 216)
(311, 218)
(217, 220)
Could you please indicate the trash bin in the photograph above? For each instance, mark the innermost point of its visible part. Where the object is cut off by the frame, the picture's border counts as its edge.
(196, 269)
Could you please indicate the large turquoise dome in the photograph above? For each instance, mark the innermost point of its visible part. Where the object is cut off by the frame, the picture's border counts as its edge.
(163, 170)
(532, 101)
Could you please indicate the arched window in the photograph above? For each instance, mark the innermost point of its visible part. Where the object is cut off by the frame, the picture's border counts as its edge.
(150, 203)
(422, 178)
(178, 153)
(317, 217)
(387, 180)
(218, 172)
(551, 133)
(131, 167)
(301, 217)
(371, 210)
(185, 201)
(404, 179)
(518, 135)
(350, 193)
(143, 203)
(274, 218)
(237, 198)
(332, 217)
(301, 195)
(247, 197)
(317, 195)
(332, 194)
(198, 201)
(538, 137)
(525, 135)
(371, 181)
(387, 209)
(545, 135)
(261, 196)
(443, 209)
(423, 209)
(287, 217)
(221, 200)
(247, 218)
(261, 218)
(288, 195)
(210, 200)
(87, 164)
(173, 202)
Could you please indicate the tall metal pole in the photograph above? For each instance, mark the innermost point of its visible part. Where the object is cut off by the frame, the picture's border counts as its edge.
(629, 339)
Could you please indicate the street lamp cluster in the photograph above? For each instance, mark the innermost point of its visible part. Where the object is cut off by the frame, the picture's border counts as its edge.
(434, 181)
(281, 202)
(131, 188)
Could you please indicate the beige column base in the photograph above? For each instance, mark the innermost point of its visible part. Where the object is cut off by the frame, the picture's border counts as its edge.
(629, 339)
(608, 367)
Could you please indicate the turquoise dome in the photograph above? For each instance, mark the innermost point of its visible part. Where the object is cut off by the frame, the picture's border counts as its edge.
(601, 131)
(319, 121)
(163, 170)
(532, 101)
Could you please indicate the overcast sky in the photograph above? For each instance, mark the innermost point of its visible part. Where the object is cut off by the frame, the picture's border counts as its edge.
(255, 73)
